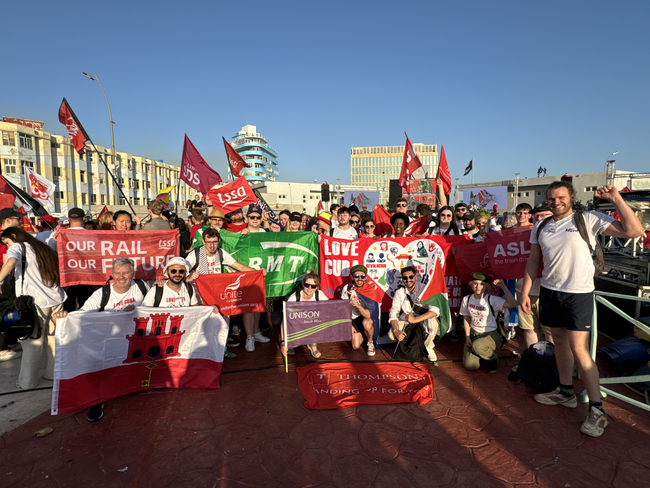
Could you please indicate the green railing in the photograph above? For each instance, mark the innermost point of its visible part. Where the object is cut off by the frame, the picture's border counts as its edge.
(600, 297)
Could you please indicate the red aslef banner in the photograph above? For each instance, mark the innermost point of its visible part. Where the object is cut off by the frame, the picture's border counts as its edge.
(234, 293)
(508, 251)
(472, 258)
(232, 196)
(327, 386)
(85, 257)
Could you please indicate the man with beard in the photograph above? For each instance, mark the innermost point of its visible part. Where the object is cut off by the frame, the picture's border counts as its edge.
(175, 292)
(344, 230)
(216, 219)
(362, 324)
(470, 228)
(566, 243)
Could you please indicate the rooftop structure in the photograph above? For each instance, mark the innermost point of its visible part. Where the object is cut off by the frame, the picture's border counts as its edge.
(254, 149)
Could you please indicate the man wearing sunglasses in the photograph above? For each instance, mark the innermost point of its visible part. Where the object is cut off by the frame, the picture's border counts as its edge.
(460, 209)
(175, 292)
(254, 219)
(407, 309)
(401, 206)
(362, 325)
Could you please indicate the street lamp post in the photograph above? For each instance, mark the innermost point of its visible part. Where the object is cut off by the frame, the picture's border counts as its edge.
(110, 117)
(516, 189)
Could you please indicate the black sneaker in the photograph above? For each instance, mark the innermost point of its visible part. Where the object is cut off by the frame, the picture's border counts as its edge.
(95, 412)
(231, 342)
(453, 335)
(491, 366)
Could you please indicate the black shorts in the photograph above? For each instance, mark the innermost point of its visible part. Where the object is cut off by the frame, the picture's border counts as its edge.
(572, 311)
(358, 325)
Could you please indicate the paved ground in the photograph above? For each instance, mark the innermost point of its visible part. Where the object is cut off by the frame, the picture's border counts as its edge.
(481, 430)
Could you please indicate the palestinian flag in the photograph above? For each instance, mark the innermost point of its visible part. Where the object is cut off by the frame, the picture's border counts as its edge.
(13, 197)
(435, 294)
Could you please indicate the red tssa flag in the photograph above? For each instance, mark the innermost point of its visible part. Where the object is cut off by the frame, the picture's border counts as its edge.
(443, 172)
(75, 129)
(234, 159)
(195, 171)
(232, 196)
(410, 163)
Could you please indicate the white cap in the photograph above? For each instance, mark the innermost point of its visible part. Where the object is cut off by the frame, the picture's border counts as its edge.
(177, 261)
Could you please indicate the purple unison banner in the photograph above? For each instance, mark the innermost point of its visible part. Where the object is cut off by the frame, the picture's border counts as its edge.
(317, 322)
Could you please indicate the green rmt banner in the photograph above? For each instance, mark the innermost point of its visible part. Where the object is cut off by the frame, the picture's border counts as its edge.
(286, 256)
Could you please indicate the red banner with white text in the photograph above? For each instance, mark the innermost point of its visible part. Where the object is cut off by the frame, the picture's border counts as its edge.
(234, 293)
(233, 196)
(328, 386)
(85, 257)
(508, 251)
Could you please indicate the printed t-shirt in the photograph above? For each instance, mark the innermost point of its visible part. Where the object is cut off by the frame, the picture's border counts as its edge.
(214, 266)
(480, 318)
(116, 301)
(171, 299)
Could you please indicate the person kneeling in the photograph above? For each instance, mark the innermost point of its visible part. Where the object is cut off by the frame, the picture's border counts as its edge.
(482, 335)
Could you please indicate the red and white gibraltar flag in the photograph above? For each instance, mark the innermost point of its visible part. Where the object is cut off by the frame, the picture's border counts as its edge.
(40, 188)
(234, 195)
(124, 352)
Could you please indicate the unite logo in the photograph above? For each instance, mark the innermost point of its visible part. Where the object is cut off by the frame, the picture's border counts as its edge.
(166, 244)
(234, 286)
(232, 291)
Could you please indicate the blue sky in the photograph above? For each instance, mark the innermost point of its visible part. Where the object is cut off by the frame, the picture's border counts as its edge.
(510, 84)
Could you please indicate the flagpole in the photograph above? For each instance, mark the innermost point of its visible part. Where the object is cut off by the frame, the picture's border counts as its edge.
(286, 343)
(472, 171)
(117, 185)
(178, 191)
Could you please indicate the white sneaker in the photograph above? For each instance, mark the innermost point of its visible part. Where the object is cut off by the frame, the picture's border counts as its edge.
(259, 337)
(250, 343)
(9, 354)
(595, 423)
(371, 349)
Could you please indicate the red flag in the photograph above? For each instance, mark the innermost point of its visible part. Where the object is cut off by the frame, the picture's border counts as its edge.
(418, 226)
(234, 293)
(320, 208)
(232, 196)
(410, 163)
(104, 210)
(235, 160)
(443, 172)
(75, 129)
(7, 196)
(195, 171)
(382, 221)
(25, 222)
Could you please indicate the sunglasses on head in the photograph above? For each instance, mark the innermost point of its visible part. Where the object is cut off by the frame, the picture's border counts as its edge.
(408, 278)
(177, 271)
(309, 285)
(359, 275)
(254, 217)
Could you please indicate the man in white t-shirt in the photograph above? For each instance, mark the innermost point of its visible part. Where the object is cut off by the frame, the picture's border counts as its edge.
(407, 309)
(124, 294)
(175, 292)
(567, 286)
(344, 230)
(362, 324)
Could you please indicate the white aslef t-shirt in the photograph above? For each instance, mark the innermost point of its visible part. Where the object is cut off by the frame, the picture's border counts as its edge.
(568, 265)
(44, 296)
(171, 299)
(481, 319)
(116, 301)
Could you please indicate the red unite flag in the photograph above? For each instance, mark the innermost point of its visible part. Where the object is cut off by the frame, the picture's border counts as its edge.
(234, 293)
(443, 172)
(75, 129)
(410, 163)
(234, 159)
(195, 171)
(234, 195)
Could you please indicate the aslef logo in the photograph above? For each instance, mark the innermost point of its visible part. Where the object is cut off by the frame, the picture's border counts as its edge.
(166, 244)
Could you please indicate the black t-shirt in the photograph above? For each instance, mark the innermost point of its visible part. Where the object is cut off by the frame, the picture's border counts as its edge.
(195, 204)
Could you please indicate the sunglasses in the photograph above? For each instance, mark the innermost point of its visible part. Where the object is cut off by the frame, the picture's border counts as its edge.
(408, 278)
(370, 226)
(177, 271)
(359, 276)
(354, 221)
(308, 285)
(254, 217)
(401, 205)
(445, 215)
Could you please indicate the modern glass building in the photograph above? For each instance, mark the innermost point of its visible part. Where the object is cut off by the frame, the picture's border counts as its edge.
(254, 149)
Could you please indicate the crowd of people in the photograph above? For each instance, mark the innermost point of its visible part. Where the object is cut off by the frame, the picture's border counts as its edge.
(557, 306)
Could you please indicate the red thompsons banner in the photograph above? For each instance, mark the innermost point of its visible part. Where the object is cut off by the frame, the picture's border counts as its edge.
(85, 257)
(339, 385)
(103, 355)
(234, 293)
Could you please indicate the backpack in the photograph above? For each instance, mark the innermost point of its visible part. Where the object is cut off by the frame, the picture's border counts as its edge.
(106, 292)
(411, 348)
(538, 371)
(18, 316)
(596, 254)
(297, 292)
(499, 320)
(159, 293)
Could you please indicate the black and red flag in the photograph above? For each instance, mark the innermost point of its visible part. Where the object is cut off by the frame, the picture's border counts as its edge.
(234, 159)
(75, 130)
(410, 163)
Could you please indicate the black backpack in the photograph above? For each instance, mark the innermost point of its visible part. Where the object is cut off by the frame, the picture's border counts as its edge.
(538, 371)
(411, 348)
(106, 292)
(299, 291)
(159, 293)
(18, 316)
(596, 254)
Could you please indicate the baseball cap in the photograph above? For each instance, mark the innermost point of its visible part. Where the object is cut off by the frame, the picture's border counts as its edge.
(7, 213)
(325, 217)
(468, 216)
(541, 207)
(76, 213)
(253, 209)
(295, 217)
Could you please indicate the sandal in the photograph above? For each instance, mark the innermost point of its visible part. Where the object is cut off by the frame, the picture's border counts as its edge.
(289, 351)
(313, 349)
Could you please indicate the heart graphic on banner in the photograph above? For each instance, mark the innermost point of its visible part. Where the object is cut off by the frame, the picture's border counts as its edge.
(385, 260)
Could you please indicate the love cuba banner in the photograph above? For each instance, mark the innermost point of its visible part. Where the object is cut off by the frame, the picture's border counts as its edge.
(327, 386)
(233, 293)
(508, 251)
(317, 322)
(232, 196)
(286, 256)
(85, 257)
